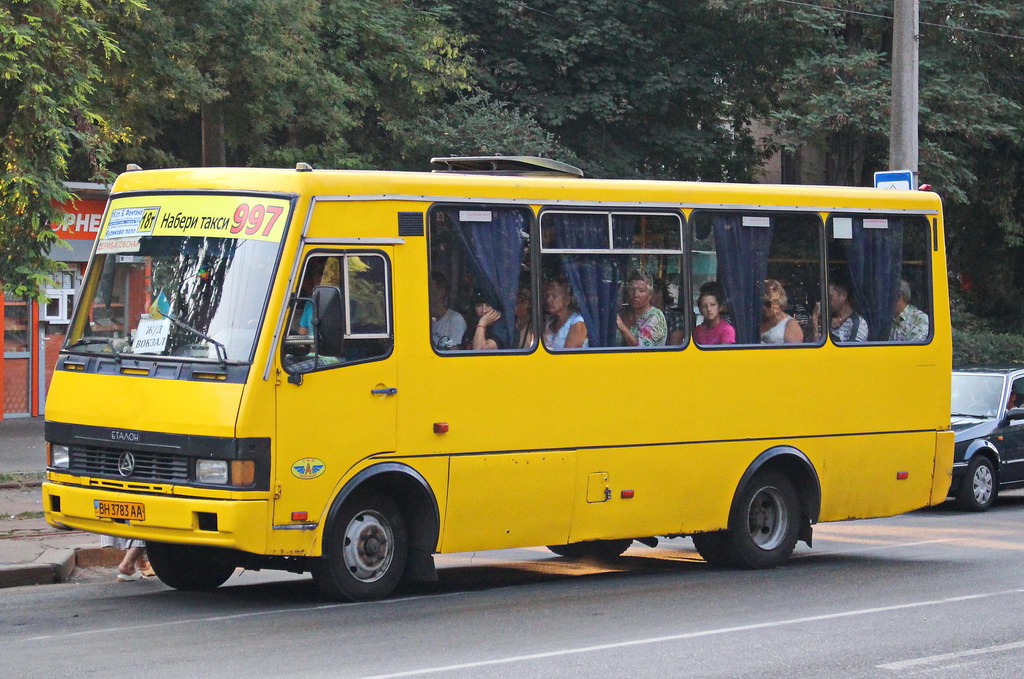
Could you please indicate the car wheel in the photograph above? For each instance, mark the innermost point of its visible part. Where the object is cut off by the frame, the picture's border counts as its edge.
(978, 490)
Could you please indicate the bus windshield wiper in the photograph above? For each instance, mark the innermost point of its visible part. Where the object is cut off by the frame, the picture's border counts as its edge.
(222, 351)
(83, 341)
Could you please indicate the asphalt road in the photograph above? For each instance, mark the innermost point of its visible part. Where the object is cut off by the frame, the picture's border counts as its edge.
(936, 593)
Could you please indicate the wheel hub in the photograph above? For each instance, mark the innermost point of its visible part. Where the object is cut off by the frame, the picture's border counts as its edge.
(369, 546)
(767, 519)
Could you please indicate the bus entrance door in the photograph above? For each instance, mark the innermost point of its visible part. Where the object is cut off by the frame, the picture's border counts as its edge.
(344, 408)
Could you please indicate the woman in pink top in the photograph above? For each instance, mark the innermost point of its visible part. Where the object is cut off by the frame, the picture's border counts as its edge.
(714, 329)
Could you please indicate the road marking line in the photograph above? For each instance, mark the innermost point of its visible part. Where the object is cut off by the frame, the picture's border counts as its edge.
(933, 659)
(235, 616)
(875, 548)
(688, 635)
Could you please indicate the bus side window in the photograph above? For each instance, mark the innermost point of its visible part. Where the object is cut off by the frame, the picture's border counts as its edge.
(879, 278)
(480, 287)
(759, 276)
(340, 314)
(616, 273)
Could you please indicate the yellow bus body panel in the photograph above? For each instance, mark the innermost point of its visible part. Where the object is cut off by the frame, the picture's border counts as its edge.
(540, 448)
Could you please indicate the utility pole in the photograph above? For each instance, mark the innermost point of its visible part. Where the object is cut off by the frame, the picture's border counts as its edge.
(903, 148)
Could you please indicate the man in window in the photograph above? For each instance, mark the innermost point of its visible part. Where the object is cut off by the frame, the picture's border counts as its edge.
(910, 323)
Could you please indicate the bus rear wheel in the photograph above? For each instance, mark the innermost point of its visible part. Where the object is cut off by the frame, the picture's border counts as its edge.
(365, 549)
(191, 567)
(763, 528)
(592, 549)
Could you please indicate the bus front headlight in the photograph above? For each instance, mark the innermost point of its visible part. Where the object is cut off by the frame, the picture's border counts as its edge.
(212, 471)
(60, 456)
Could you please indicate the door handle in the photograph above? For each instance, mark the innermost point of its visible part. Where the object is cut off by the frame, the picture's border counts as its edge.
(387, 391)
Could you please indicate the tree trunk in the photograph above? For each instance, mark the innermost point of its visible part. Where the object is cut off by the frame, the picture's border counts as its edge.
(213, 135)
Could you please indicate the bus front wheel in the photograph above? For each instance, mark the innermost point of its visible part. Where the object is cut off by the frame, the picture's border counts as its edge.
(190, 567)
(763, 528)
(365, 549)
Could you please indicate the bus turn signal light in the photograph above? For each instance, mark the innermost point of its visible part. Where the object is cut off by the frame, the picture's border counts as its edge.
(440, 427)
(902, 476)
(300, 516)
(627, 495)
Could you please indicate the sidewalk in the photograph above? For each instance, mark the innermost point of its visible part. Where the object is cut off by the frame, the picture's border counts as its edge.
(31, 551)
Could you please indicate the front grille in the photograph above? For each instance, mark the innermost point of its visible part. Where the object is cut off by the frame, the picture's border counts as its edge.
(148, 466)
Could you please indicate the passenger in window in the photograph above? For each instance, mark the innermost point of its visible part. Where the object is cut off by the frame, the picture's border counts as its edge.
(662, 299)
(641, 324)
(484, 336)
(845, 325)
(525, 335)
(714, 329)
(314, 272)
(778, 327)
(564, 328)
(910, 323)
(447, 326)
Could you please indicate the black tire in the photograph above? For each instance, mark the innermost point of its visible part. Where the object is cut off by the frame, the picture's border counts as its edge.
(592, 549)
(979, 488)
(365, 551)
(191, 568)
(763, 527)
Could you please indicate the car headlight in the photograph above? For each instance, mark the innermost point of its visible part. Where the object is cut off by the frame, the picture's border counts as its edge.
(212, 471)
(60, 456)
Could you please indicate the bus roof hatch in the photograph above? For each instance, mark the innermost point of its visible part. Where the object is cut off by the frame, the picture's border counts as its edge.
(505, 165)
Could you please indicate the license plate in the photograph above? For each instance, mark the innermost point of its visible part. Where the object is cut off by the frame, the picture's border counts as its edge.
(132, 511)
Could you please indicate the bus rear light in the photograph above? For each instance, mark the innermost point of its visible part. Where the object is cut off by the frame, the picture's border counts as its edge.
(300, 516)
(440, 427)
(626, 495)
(902, 476)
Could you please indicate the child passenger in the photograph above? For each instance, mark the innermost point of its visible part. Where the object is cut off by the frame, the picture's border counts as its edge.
(714, 329)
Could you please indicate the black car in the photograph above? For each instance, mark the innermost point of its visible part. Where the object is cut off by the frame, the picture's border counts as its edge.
(989, 423)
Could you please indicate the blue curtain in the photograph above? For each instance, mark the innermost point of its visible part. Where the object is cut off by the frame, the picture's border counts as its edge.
(874, 258)
(594, 278)
(742, 254)
(496, 250)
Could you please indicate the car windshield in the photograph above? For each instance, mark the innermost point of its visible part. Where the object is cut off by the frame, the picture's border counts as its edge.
(180, 276)
(976, 395)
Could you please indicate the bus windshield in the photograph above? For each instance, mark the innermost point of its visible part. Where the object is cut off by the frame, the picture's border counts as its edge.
(159, 292)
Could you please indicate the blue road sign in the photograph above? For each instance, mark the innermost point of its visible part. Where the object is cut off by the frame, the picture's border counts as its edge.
(901, 180)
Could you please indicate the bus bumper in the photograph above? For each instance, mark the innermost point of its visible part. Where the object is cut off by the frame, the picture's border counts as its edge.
(943, 472)
(234, 524)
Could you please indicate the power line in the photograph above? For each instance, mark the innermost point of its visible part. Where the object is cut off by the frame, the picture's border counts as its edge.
(840, 10)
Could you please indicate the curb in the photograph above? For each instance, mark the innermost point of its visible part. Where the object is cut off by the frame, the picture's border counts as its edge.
(55, 566)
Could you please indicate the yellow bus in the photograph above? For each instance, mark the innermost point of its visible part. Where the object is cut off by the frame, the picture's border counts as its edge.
(347, 372)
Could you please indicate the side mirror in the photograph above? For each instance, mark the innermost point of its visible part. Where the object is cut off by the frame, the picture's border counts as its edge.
(1012, 415)
(328, 321)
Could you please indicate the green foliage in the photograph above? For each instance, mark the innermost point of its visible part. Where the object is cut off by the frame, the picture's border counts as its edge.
(644, 88)
(330, 83)
(986, 348)
(51, 52)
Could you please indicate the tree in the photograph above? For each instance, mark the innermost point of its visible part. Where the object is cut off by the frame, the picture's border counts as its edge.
(52, 53)
(330, 83)
(640, 88)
